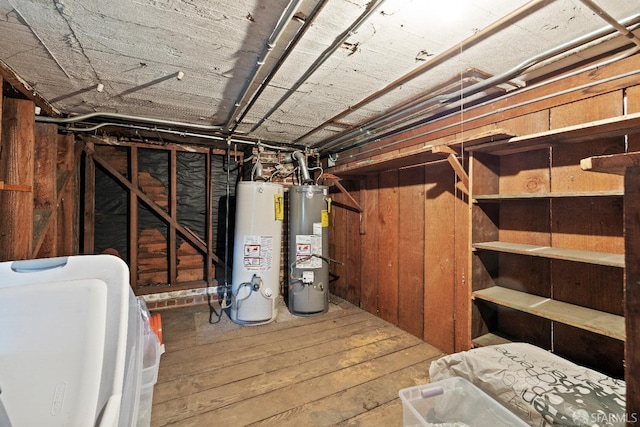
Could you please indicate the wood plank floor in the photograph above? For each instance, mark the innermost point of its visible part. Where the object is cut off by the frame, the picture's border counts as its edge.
(342, 368)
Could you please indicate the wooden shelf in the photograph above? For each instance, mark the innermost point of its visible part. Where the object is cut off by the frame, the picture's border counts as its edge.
(524, 196)
(600, 322)
(613, 163)
(607, 128)
(414, 157)
(491, 338)
(589, 257)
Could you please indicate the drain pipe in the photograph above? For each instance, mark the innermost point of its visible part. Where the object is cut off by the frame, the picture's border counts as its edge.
(478, 87)
(371, 8)
(299, 157)
(286, 16)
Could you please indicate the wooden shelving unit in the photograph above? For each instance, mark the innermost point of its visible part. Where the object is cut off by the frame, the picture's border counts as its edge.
(524, 196)
(589, 257)
(588, 319)
(547, 247)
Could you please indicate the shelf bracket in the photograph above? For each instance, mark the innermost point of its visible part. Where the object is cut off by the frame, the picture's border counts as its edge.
(332, 180)
(452, 158)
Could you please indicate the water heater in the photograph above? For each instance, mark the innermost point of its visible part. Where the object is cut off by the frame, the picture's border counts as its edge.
(255, 282)
(308, 291)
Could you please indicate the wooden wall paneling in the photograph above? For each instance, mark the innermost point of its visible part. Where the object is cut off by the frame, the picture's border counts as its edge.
(525, 221)
(89, 200)
(17, 167)
(632, 288)
(633, 140)
(45, 197)
(594, 286)
(567, 176)
(411, 262)
(462, 291)
(524, 327)
(586, 348)
(133, 217)
(439, 256)
(387, 228)
(591, 109)
(173, 197)
(632, 94)
(633, 106)
(484, 172)
(588, 223)
(370, 240)
(526, 173)
(353, 259)
(67, 215)
(527, 124)
(338, 243)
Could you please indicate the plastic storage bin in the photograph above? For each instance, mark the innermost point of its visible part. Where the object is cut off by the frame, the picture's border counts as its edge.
(151, 352)
(76, 348)
(453, 401)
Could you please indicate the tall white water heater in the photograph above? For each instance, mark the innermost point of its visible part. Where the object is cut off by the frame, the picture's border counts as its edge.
(256, 254)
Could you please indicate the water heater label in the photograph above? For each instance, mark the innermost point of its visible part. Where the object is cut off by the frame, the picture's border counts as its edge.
(317, 228)
(307, 245)
(258, 253)
(325, 218)
(279, 202)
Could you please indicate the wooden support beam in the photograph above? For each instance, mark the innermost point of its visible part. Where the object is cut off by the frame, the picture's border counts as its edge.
(15, 187)
(16, 168)
(69, 155)
(27, 90)
(208, 220)
(133, 218)
(154, 207)
(45, 190)
(173, 208)
(53, 221)
(632, 289)
(442, 149)
(452, 158)
(89, 201)
(333, 180)
(363, 203)
(459, 170)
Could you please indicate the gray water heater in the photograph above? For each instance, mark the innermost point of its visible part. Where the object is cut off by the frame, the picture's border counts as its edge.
(308, 250)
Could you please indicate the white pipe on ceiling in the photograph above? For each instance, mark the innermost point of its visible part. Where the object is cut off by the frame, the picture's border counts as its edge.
(371, 8)
(473, 89)
(284, 20)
